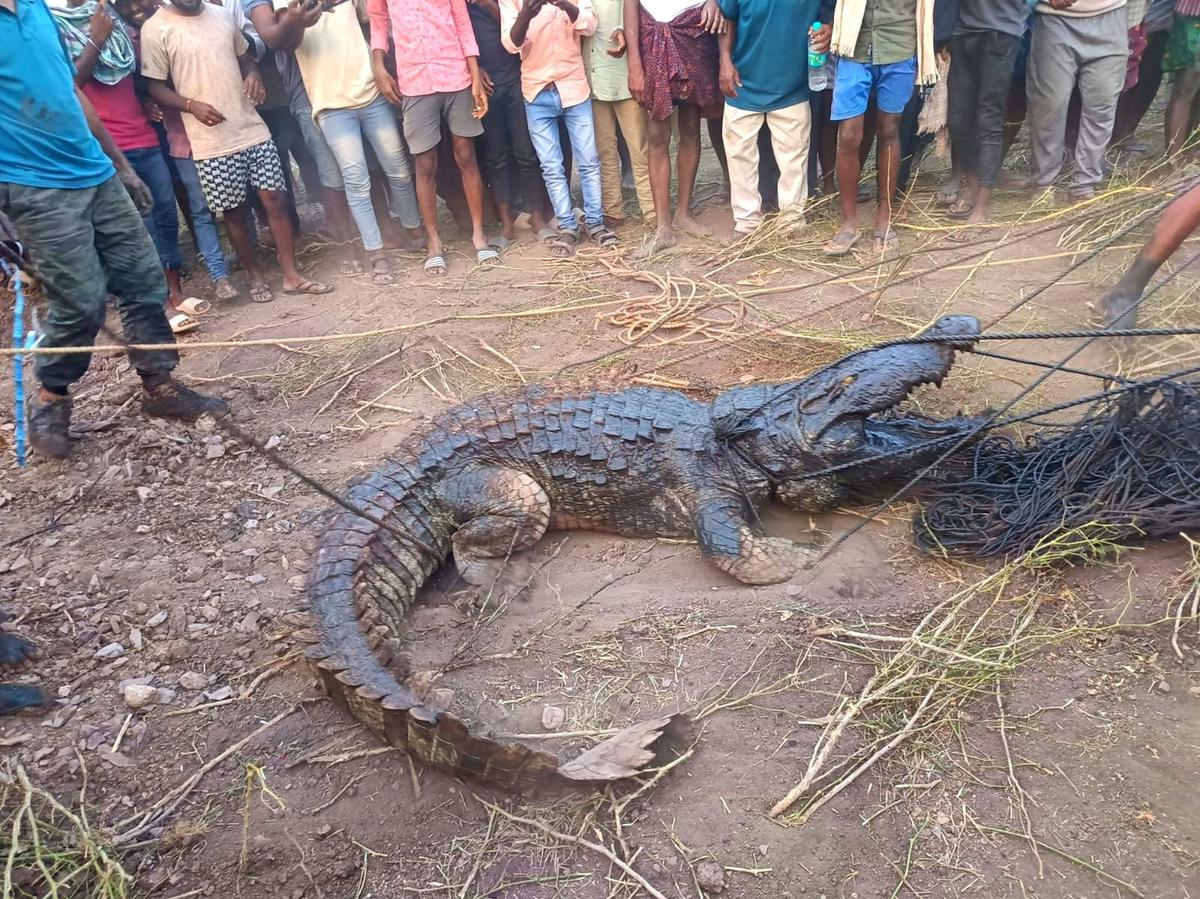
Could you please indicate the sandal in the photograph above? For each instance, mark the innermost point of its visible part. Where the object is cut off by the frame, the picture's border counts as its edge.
(500, 243)
(886, 242)
(226, 290)
(960, 209)
(546, 235)
(260, 293)
(486, 255)
(841, 243)
(181, 323)
(563, 245)
(351, 267)
(436, 265)
(381, 271)
(603, 235)
(193, 306)
(308, 287)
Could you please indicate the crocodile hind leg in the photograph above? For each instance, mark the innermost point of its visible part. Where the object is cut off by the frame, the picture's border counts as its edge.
(501, 512)
(728, 541)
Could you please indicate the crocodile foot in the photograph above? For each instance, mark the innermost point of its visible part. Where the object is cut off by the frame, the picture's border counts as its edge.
(766, 560)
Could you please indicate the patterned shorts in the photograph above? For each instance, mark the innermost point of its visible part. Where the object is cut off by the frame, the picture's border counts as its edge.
(227, 179)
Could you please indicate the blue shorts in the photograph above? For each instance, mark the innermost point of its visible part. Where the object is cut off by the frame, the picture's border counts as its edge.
(854, 83)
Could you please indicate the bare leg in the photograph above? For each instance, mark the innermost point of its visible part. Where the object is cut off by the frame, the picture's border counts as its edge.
(276, 204)
(237, 224)
(849, 168)
(658, 162)
(1179, 111)
(472, 182)
(887, 160)
(174, 287)
(688, 163)
(426, 165)
(717, 137)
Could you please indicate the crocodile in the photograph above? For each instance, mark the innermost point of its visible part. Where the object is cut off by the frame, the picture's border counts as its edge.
(488, 478)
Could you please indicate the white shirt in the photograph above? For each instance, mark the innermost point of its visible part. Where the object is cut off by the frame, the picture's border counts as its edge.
(668, 10)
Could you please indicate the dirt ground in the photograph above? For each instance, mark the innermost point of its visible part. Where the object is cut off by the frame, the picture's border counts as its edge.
(170, 555)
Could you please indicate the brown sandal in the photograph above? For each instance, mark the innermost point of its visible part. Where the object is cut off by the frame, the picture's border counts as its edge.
(564, 243)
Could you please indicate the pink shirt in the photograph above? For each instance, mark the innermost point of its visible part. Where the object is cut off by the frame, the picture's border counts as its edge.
(433, 40)
(121, 112)
(552, 52)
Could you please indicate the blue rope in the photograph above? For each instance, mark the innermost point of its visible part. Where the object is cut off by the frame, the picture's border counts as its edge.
(19, 342)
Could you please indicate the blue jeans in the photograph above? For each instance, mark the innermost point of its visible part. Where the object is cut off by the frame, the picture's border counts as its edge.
(208, 241)
(542, 114)
(162, 222)
(344, 130)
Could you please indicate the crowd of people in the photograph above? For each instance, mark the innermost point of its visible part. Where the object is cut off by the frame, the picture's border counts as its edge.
(210, 108)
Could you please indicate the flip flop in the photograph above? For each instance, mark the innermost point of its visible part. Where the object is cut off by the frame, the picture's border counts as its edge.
(351, 267)
(960, 209)
(486, 256)
(840, 244)
(500, 243)
(260, 293)
(308, 287)
(546, 235)
(226, 290)
(194, 306)
(381, 271)
(181, 323)
(436, 265)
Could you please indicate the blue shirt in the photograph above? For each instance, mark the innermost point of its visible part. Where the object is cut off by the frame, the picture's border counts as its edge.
(770, 51)
(44, 135)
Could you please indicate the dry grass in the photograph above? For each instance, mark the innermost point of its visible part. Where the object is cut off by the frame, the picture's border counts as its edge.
(50, 850)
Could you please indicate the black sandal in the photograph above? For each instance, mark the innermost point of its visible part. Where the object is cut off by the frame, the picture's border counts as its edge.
(563, 244)
(381, 271)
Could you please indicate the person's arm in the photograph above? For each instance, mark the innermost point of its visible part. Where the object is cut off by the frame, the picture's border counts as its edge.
(514, 37)
(633, 49)
(729, 78)
(252, 81)
(168, 98)
(1177, 224)
(284, 29)
(377, 15)
(100, 29)
(470, 51)
(138, 191)
(584, 18)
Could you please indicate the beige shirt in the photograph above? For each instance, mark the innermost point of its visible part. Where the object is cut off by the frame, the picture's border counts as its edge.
(199, 54)
(335, 60)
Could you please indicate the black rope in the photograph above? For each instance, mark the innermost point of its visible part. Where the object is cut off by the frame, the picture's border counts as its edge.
(990, 420)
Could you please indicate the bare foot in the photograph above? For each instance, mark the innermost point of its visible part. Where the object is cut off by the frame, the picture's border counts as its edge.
(688, 225)
(664, 238)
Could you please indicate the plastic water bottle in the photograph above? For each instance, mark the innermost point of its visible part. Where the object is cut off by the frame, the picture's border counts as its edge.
(818, 70)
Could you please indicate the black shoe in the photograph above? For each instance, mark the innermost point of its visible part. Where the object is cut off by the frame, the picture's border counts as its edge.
(49, 426)
(170, 399)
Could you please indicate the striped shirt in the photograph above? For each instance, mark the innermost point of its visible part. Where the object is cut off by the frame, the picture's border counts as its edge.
(1187, 7)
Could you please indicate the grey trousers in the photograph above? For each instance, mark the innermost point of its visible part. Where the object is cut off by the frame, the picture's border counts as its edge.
(1089, 51)
(85, 244)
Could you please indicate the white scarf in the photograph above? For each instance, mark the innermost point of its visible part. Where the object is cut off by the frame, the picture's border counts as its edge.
(847, 23)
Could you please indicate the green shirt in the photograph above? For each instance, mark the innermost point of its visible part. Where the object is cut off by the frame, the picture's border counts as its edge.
(888, 34)
(770, 51)
(608, 77)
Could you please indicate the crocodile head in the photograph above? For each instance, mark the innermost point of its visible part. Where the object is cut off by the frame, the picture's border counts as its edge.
(845, 413)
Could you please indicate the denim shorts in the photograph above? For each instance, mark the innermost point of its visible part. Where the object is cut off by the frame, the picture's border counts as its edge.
(854, 83)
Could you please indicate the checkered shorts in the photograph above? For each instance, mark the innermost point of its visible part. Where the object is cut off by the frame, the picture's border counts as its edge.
(226, 179)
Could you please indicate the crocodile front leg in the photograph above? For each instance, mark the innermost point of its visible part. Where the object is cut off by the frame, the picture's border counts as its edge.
(500, 511)
(728, 540)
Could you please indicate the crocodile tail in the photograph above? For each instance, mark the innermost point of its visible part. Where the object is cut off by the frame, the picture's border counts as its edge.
(364, 572)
